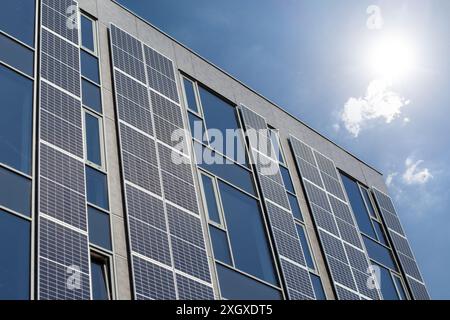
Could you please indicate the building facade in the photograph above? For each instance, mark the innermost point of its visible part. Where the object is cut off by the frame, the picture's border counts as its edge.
(113, 184)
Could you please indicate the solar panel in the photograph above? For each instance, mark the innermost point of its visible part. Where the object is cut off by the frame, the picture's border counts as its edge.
(60, 74)
(55, 18)
(332, 215)
(401, 245)
(281, 221)
(151, 106)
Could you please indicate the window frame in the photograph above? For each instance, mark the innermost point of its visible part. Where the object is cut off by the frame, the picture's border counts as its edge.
(108, 269)
(101, 167)
(94, 33)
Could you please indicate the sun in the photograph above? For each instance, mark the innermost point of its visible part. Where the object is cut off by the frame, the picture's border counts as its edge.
(392, 58)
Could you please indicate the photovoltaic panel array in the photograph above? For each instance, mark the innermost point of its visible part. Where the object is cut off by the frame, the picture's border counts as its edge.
(401, 245)
(169, 259)
(63, 243)
(346, 257)
(286, 240)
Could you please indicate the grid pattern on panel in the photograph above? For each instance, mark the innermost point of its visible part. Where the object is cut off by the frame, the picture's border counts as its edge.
(401, 245)
(281, 221)
(126, 42)
(267, 167)
(53, 283)
(189, 289)
(138, 144)
(185, 226)
(149, 241)
(344, 294)
(190, 259)
(128, 63)
(55, 16)
(131, 89)
(179, 192)
(60, 49)
(164, 131)
(160, 73)
(134, 114)
(60, 74)
(141, 173)
(166, 109)
(175, 163)
(152, 281)
(145, 207)
(339, 237)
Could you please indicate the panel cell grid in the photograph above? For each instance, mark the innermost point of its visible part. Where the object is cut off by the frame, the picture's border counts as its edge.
(60, 49)
(128, 64)
(185, 226)
(166, 109)
(60, 74)
(326, 165)
(274, 191)
(138, 144)
(349, 233)
(138, 116)
(175, 163)
(189, 289)
(131, 89)
(297, 279)
(281, 219)
(180, 192)
(288, 246)
(324, 219)
(55, 18)
(141, 173)
(309, 172)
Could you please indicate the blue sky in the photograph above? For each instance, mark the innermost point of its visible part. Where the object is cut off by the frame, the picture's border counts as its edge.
(311, 58)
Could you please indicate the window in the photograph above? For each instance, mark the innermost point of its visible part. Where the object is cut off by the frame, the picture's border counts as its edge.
(379, 253)
(16, 120)
(91, 96)
(97, 189)
(224, 168)
(93, 139)
(276, 145)
(251, 251)
(100, 278)
(380, 233)
(287, 179)
(366, 196)
(295, 208)
(318, 288)
(210, 192)
(16, 55)
(17, 19)
(88, 33)
(15, 192)
(99, 228)
(220, 245)
(399, 286)
(197, 128)
(236, 286)
(15, 257)
(305, 245)
(221, 116)
(191, 100)
(358, 206)
(387, 285)
(89, 67)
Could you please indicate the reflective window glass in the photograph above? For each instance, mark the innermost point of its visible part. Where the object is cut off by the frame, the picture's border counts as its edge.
(211, 200)
(16, 55)
(100, 279)
(16, 120)
(295, 208)
(380, 233)
(358, 206)
(91, 96)
(99, 228)
(89, 67)
(251, 251)
(93, 143)
(97, 188)
(287, 179)
(17, 19)
(366, 196)
(400, 289)
(220, 245)
(236, 286)
(197, 128)
(15, 192)
(318, 288)
(387, 285)
(15, 257)
(190, 95)
(305, 245)
(87, 33)
(379, 253)
(276, 145)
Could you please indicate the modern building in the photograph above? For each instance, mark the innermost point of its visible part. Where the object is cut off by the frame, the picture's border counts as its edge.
(95, 204)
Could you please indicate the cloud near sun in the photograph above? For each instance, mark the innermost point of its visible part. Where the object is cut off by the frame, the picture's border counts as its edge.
(380, 102)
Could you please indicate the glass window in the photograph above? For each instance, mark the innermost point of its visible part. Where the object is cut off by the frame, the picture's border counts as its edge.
(190, 95)
(93, 141)
(287, 179)
(276, 145)
(236, 286)
(379, 253)
(16, 55)
(227, 170)
(97, 188)
(211, 200)
(305, 245)
(251, 251)
(17, 19)
(15, 257)
(387, 285)
(87, 33)
(318, 288)
(15, 192)
(89, 67)
(91, 96)
(16, 120)
(220, 245)
(380, 233)
(295, 208)
(100, 279)
(221, 116)
(358, 206)
(399, 285)
(197, 128)
(99, 228)
(366, 196)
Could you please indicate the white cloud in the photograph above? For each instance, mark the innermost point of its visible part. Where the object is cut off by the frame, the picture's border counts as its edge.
(390, 177)
(379, 102)
(414, 174)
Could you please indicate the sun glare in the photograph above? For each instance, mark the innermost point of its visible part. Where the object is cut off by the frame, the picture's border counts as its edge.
(392, 58)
